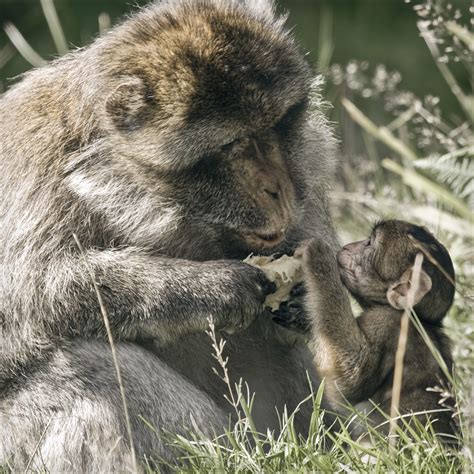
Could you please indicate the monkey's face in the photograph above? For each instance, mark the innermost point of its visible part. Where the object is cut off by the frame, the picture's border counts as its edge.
(245, 188)
(216, 114)
(370, 266)
(358, 273)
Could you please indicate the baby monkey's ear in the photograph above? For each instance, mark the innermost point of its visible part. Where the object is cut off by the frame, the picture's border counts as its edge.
(128, 104)
(403, 293)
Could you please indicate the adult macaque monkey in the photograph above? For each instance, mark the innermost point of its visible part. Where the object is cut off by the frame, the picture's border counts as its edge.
(173, 146)
(356, 356)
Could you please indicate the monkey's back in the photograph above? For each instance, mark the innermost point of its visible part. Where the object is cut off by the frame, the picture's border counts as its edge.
(425, 387)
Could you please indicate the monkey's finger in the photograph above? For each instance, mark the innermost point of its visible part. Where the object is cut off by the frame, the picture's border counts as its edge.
(268, 287)
(282, 322)
(301, 249)
(298, 290)
(301, 327)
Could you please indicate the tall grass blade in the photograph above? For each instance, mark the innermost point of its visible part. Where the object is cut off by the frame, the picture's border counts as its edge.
(421, 183)
(54, 25)
(402, 345)
(118, 371)
(22, 46)
(381, 133)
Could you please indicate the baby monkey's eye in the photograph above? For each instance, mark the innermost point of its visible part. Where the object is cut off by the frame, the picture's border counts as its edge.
(369, 241)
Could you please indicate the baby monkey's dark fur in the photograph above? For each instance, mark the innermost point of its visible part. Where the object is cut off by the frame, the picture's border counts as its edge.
(356, 356)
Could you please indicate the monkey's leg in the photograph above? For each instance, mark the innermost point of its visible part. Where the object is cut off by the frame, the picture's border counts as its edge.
(67, 416)
(148, 296)
(345, 353)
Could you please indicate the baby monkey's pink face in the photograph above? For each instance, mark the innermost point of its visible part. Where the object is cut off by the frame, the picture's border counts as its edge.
(358, 273)
(377, 270)
(368, 267)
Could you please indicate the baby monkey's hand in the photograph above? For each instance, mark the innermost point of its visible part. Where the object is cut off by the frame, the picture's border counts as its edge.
(319, 259)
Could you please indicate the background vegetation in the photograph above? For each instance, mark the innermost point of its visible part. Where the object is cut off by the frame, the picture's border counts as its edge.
(399, 76)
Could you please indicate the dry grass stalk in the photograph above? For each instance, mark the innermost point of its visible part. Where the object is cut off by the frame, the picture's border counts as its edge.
(118, 372)
(23, 47)
(218, 354)
(54, 25)
(401, 348)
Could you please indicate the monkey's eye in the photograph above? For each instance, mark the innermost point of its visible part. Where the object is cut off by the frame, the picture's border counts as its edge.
(369, 241)
(228, 147)
(291, 115)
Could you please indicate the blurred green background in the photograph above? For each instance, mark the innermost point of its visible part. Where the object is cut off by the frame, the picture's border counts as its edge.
(380, 31)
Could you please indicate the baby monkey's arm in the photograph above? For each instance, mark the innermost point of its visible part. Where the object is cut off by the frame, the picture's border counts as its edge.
(345, 355)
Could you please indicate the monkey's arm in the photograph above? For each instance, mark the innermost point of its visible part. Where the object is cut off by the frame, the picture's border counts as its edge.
(347, 357)
(148, 296)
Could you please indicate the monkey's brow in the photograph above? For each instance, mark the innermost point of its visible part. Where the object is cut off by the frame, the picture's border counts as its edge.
(378, 223)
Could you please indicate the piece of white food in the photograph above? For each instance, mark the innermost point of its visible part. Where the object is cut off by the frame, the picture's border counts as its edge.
(285, 272)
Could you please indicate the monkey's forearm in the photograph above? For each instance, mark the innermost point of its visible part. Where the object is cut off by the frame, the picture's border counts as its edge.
(343, 354)
(327, 301)
(145, 296)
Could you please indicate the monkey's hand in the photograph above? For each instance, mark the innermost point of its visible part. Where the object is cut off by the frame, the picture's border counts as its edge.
(245, 301)
(291, 314)
(150, 297)
(319, 260)
(293, 318)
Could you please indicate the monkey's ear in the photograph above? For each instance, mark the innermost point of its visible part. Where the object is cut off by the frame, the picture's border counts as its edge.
(397, 294)
(128, 104)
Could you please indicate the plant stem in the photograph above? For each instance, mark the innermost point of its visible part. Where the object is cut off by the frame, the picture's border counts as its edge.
(380, 133)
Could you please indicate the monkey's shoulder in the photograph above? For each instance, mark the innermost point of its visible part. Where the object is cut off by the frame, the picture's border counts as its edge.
(380, 321)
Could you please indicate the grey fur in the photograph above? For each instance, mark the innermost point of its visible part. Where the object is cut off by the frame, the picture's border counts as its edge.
(100, 143)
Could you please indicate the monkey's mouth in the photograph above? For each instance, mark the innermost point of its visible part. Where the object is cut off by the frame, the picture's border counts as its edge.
(264, 239)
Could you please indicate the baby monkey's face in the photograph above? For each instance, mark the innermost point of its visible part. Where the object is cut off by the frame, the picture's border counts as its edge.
(378, 270)
(368, 267)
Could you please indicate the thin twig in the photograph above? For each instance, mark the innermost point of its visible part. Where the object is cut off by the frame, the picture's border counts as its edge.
(55, 27)
(23, 47)
(446, 72)
(113, 350)
(380, 133)
(6, 53)
(37, 446)
(401, 348)
(432, 260)
(104, 22)
(421, 183)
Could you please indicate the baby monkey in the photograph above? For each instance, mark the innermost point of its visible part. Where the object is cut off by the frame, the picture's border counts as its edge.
(356, 356)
